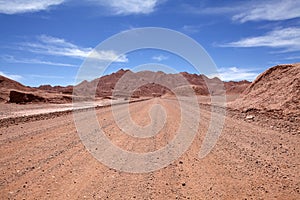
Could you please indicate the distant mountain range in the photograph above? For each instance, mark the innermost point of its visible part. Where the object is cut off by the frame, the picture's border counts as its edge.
(149, 84)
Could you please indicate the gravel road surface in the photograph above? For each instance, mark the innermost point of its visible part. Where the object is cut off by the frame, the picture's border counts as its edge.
(45, 159)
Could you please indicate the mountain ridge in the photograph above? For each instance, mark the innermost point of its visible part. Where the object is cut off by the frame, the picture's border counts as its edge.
(152, 84)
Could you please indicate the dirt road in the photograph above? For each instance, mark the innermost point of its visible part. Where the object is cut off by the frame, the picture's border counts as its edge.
(45, 159)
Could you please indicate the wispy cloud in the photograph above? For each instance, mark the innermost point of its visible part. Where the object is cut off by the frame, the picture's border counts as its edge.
(127, 7)
(109, 55)
(191, 28)
(12, 59)
(204, 10)
(235, 74)
(244, 11)
(160, 58)
(11, 76)
(287, 39)
(60, 47)
(55, 46)
(24, 6)
(45, 76)
(269, 10)
(292, 58)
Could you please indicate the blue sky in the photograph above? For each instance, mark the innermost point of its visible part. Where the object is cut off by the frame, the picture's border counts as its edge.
(46, 42)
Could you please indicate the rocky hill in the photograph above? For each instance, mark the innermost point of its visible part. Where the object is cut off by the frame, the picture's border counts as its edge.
(57, 89)
(13, 92)
(6, 85)
(158, 83)
(150, 84)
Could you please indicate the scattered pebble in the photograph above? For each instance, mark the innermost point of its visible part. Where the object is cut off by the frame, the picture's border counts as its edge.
(249, 117)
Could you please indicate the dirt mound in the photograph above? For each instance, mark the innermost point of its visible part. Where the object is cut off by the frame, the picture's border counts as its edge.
(276, 89)
(21, 97)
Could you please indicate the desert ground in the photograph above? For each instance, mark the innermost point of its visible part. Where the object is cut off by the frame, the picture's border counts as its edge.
(43, 158)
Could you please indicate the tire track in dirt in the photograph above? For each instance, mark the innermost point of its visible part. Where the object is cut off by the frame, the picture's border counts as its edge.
(248, 161)
(249, 158)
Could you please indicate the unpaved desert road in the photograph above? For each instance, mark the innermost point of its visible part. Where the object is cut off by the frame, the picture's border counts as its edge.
(46, 159)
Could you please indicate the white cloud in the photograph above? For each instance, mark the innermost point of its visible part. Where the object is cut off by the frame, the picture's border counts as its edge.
(11, 76)
(12, 59)
(269, 10)
(127, 7)
(234, 74)
(160, 58)
(24, 6)
(117, 7)
(56, 46)
(288, 39)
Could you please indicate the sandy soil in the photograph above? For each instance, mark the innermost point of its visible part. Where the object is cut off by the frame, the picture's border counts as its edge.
(45, 159)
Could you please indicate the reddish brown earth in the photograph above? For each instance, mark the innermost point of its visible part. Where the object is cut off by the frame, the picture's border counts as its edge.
(14, 92)
(275, 94)
(105, 85)
(236, 87)
(6, 85)
(57, 89)
(44, 158)
(256, 157)
(277, 89)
